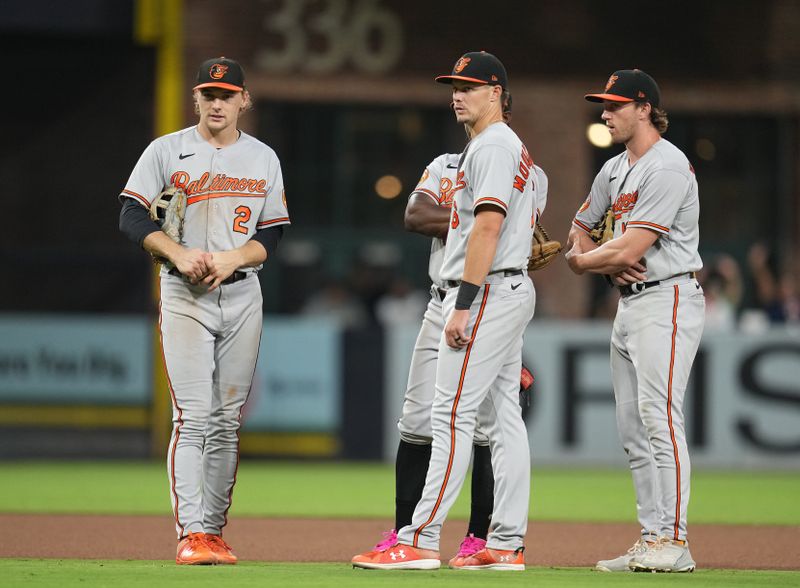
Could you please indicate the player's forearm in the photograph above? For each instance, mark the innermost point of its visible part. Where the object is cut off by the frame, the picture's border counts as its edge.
(160, 245)
(427, 218)
(481, 248)
(611, 257)
(250, 254)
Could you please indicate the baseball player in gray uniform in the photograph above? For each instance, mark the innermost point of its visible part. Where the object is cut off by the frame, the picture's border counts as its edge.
(428, 213)
(211, 316)
(652, 258)
(488, 301)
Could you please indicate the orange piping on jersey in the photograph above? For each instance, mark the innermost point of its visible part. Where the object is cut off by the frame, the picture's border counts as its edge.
(580, 225)
(195, 199)
(647, 225)
(138, 197)
(490, 200)
(453, 419)
(284, 219)
(676, 528)
(174, 446)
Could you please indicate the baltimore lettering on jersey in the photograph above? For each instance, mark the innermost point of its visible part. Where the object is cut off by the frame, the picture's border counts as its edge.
(221, 185)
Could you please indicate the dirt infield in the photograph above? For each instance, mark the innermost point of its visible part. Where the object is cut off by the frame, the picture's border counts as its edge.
(322, 540)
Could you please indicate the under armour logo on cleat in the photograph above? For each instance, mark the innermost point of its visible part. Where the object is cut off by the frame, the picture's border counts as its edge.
(395, 554)
(505, 558)
(182, 156)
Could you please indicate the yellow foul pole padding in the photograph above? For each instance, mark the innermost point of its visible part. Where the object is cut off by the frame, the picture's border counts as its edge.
(160, 23)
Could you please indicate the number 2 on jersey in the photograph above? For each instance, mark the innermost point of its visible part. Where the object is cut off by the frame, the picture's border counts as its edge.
(242, 216)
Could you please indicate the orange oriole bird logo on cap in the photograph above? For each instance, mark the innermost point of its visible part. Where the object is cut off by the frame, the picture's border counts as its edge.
(217, 71)
(611, 81)
(461, 64)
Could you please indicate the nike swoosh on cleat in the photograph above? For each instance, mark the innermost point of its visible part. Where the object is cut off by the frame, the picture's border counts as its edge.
(612, 178)
(515, 286)
(451, 166)
(182, 156)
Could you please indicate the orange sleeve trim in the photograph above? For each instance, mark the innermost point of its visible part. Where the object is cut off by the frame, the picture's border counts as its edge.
(200, 198)
(490, 200)
(138, 197)
(581, 226)
(648, 225)
(451, 457)
(275, 221)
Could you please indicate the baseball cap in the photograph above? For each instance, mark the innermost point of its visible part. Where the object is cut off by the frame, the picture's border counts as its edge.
(479, 67)
(220, 72)
(629, 85)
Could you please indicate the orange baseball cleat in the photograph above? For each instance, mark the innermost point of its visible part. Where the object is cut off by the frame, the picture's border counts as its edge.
(195, 550)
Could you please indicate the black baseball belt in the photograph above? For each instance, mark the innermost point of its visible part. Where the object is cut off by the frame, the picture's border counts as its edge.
(642, 286)
(506, 273)
(234, 277)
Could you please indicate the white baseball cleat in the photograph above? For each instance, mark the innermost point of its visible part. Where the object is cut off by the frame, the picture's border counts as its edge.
(621, 563)
(665, 555)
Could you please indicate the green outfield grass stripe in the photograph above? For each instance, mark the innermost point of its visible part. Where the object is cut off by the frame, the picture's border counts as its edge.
(122, 574)
(352, 490)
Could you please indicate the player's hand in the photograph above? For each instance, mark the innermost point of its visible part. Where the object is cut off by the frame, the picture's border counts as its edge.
(192, 263)
(572, 257)
(223, 264)
(455, 331)
(632, 275)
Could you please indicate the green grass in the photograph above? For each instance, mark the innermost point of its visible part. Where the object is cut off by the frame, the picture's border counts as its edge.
(120, 574)
(367, 490)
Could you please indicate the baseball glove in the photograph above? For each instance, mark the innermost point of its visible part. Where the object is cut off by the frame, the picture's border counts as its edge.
(168, 210)
(526, 380)
(543, 249)
(604, 229)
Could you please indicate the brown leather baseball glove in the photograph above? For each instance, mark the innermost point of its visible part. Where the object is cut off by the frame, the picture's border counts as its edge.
(604, 229)
(543, 249)
(168, 210)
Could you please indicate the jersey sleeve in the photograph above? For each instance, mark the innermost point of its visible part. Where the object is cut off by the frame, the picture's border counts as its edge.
(541, 183)
(660, 197)
(275, 211)
(147, 178)
(596, 203)
(492, 169)
(431, 179)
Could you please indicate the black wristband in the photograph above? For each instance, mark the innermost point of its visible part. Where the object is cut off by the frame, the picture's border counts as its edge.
(466, 294)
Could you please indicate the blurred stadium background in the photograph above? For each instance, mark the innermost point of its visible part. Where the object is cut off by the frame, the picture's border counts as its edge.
(344, 93)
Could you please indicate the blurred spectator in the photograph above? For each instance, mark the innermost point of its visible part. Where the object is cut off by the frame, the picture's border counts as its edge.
(777, 296)
(722, 284)
(400, 304)
(335, 301)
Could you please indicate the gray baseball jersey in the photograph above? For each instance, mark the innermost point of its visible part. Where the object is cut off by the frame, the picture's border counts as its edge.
(210, 339)
(439, 182)
(656, 330)
(231, 192)
(496, 170)
(658, 193)
(485, 167)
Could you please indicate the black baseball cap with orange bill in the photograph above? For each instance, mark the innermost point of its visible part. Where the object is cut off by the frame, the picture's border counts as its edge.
(479, 67)
(220, 72)
(629, 85)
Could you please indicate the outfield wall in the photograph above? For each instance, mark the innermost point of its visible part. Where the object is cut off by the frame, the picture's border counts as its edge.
(321, 392)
